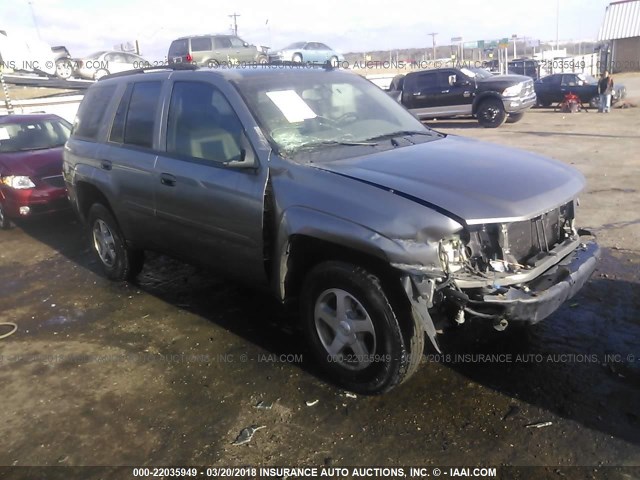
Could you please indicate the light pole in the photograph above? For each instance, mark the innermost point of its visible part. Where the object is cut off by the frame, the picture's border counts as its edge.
(557, 22)
(433, 43)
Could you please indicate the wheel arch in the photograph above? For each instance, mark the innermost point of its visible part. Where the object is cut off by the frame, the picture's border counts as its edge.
(87, 194)
(481, 98)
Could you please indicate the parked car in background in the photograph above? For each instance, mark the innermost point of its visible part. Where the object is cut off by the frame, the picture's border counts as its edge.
(552, 89)
(311, 52)
(64, 63)
(316, 185)
(31, 182)
(524, 66)
(99, 64)
(453, 92)
(214, 50)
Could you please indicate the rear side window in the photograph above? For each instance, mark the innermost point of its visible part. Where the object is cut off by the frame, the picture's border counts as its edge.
(201, 44)
(92, 111)
(138, 128)
(179, 48)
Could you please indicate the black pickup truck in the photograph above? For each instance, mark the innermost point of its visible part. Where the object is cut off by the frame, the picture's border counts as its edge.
(452, 92)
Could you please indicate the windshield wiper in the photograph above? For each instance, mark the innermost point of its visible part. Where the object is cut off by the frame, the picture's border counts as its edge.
(335, 142)
(401, 133)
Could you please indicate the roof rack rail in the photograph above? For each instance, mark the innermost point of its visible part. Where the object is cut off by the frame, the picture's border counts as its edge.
(175, 66)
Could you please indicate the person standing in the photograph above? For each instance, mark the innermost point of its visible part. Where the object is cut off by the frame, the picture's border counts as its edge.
(605, 89)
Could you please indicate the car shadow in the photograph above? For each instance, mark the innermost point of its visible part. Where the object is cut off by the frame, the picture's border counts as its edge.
(582, 364)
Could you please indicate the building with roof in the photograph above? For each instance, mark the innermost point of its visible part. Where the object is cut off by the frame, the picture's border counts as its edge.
(621, 30)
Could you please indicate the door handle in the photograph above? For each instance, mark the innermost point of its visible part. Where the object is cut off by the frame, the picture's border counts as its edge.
(105, 164)
(444, 91)
(167, 180)
(416, 94)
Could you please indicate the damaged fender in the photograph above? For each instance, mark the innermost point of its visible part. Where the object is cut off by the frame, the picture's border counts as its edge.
(420, 294)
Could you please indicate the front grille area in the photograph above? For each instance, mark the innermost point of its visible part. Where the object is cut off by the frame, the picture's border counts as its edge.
(55, 181)
(530, 237)
(518, 243)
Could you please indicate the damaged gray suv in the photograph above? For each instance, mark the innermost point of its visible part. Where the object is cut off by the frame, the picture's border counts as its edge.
(317, 185)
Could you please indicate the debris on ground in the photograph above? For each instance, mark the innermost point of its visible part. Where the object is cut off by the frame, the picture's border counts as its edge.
(246, 434)
(625, 104)
(539, 425)
(262, 405)
(513, 410)
(311, 403)
(350, 395)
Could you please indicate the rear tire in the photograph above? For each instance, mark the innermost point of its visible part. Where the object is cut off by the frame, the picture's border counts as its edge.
(100, 73)
(64, 68)
(5, 223)
(491, 113)
(515, 117)
(119, 262)
(353, 332)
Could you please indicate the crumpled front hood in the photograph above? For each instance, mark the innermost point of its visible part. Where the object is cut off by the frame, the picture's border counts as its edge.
(472, 181)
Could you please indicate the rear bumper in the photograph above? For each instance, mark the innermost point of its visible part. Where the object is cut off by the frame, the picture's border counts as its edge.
(536, 300)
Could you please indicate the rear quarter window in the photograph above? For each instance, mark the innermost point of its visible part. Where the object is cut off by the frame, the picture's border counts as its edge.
(92, 112)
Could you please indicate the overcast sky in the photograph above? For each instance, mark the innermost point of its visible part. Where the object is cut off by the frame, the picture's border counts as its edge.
(85, 26)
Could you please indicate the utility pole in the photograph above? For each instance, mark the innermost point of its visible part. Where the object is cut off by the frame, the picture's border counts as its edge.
(33, 16)
(5, 90)
(235, 22)
(557, 23)
(433, 43)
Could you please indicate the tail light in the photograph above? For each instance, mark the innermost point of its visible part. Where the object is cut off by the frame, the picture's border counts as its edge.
(189, 57)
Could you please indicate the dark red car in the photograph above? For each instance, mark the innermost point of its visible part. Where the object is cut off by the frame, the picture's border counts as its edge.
(31, 180)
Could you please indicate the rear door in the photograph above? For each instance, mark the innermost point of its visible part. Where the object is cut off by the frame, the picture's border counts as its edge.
(129, 156)
(548, 90)
(208, 212)
(202, 50)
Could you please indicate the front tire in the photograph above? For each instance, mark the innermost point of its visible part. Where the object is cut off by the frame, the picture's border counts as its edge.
(491, 113)
(515, 117)
(333, 61)
(297, 58)
(119, 262)
(353, 332)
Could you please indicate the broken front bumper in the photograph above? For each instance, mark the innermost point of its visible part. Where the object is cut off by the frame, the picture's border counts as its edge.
(535, 300)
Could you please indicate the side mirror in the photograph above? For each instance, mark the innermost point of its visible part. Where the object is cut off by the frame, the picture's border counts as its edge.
(245, 44)
(247, 158)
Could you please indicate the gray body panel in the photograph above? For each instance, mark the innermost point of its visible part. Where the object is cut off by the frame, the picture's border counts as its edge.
(394, 204)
